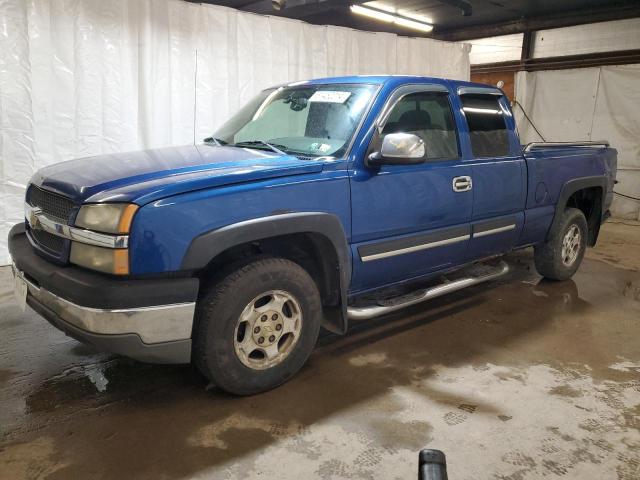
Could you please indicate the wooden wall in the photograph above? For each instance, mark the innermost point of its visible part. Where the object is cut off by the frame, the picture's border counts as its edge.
(493, 78)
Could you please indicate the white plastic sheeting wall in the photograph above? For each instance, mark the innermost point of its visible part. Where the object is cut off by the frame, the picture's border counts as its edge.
(593, 37)
(503, 48)
(84, 77)
(588, 104)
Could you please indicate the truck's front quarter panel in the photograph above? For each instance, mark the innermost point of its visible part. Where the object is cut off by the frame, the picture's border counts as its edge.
(163, 230)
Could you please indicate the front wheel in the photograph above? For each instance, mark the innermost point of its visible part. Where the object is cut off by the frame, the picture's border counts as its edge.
(560, 257)
(257, 326)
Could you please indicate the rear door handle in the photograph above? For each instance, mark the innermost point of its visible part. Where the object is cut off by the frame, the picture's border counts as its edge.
(462, 184)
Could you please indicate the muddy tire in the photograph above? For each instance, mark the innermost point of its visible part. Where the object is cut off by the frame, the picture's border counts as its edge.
(560, 257)
(256, 327)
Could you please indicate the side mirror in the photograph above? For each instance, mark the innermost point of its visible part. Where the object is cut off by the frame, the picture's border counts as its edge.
(399, 149)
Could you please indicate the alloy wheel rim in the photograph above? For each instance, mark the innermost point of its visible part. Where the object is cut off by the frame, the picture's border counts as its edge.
(268, 329)
(571, 245)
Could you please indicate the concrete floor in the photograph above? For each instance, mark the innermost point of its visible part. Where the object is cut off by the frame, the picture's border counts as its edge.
(516, 379)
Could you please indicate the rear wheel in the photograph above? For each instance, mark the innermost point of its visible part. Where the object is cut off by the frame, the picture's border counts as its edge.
(560, 257)
(257, 326)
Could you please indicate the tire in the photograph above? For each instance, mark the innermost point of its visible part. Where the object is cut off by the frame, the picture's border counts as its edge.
(551, 259)
(226, 348)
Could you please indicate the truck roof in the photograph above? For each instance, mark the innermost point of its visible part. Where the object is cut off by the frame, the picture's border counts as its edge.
(390, 79)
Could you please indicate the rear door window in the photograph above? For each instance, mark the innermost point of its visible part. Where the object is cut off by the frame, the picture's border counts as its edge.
(487, 127)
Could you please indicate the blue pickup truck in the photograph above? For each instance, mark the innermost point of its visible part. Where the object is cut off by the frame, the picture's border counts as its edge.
(304, 210)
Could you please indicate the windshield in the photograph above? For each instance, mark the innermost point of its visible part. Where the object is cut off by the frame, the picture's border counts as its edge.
(303, 120)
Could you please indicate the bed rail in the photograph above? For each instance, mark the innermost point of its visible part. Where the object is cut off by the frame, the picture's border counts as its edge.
(537, 145)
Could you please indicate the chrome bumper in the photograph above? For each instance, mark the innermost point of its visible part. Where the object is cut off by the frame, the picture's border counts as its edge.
(154, 324)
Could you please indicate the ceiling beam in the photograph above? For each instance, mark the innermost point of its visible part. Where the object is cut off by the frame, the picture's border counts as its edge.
(539, 23)
(527, 45)
(298, 8)
(306, 8)
(621, 57)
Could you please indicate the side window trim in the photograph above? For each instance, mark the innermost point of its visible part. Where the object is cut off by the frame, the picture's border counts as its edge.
(479, 91)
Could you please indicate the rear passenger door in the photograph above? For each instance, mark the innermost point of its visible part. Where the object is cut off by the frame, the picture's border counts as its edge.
(497, 172)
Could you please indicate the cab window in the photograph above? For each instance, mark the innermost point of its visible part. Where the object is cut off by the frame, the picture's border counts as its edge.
(487, 126)
(429, 116)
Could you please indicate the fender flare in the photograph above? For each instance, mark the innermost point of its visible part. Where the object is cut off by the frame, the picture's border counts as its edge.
(209, 245)
(571, 187)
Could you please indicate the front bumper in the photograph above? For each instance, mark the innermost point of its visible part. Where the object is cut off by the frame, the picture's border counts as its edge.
(147, 319)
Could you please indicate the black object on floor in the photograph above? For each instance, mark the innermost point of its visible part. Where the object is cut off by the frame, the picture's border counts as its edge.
(432, 465)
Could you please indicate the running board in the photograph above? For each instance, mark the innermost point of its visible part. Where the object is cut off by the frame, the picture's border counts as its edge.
(391, 305)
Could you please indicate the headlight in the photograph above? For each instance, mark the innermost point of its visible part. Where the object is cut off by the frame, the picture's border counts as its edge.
(108, 260)
(112, 218)
(108, 218)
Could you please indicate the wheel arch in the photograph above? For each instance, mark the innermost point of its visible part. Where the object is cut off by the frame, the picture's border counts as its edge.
(314, 240)
(587, 195)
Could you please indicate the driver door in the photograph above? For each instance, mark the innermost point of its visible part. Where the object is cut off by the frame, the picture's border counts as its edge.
(411, 220)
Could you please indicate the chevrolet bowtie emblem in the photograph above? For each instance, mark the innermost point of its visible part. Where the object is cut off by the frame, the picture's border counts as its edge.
(33, 219)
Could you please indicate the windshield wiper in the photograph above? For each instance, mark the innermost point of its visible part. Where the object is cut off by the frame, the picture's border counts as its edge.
(255, 143)
(218, 142)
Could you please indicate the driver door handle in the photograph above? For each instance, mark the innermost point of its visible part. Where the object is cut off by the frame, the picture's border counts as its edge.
(462, 184)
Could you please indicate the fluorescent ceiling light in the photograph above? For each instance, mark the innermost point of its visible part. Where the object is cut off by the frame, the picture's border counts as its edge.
(383, 16)
(376, 5)
(405, 22)
(381, 6)
(369, 12)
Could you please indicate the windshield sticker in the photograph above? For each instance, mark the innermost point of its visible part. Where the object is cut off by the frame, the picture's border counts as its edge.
(329, 96)
(321, 147)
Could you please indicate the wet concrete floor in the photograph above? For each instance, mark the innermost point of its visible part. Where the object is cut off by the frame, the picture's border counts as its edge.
(516, 379)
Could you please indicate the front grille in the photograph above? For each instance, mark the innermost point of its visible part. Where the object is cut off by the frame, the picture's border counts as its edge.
(49, 241)
(51, 204)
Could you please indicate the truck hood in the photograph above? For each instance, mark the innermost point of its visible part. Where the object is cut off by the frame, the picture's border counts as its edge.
(145, 176)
